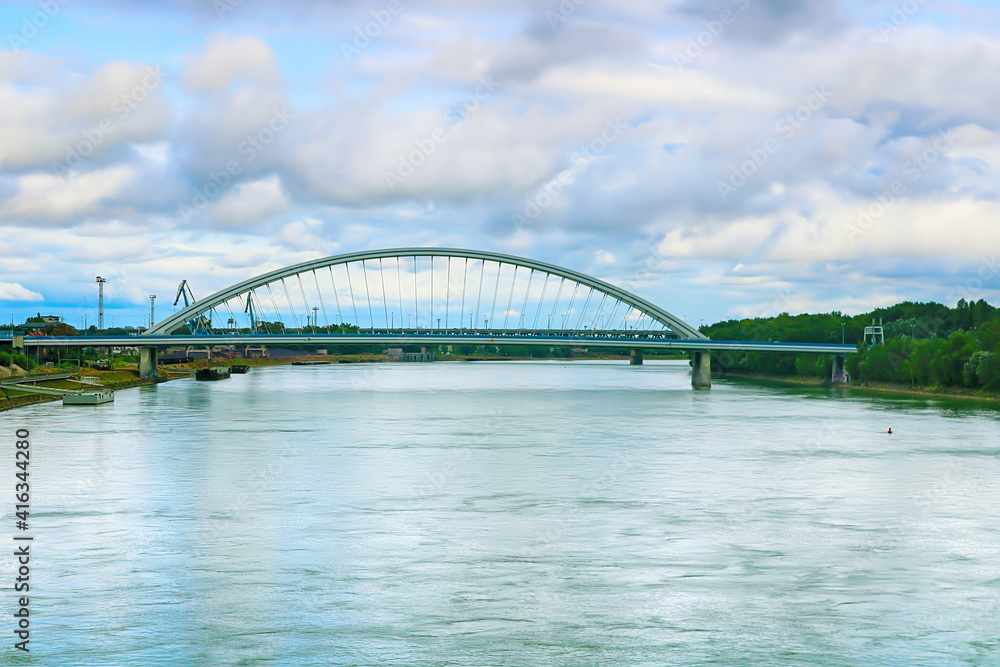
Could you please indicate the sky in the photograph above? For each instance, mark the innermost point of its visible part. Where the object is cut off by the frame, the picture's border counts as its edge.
(721, 158)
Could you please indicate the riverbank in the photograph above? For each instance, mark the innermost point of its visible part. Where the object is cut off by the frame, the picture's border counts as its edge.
(116, 379)
(127, 375)
(869, 388)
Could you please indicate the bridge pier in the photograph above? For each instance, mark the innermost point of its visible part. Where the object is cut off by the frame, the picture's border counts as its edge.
(635, 358)
(148, 359)
(701, 369)
(839, 372)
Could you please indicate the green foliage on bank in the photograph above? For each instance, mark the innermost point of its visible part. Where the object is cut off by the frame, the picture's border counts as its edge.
(926, 344)
(6, 359)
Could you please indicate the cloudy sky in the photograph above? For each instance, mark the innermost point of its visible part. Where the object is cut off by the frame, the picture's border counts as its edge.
(720, 157)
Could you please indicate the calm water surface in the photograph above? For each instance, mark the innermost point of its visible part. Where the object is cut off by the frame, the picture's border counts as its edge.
(510, 514)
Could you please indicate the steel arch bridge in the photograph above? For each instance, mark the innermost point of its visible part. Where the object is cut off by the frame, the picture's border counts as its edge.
(435, 289)
(430, 297)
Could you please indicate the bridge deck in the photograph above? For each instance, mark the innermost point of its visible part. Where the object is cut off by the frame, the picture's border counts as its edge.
(640, 340)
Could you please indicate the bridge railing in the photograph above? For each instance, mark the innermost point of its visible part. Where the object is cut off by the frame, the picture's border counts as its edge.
(656, 334)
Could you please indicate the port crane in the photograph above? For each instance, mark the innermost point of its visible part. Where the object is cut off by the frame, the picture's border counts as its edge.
(199, 325)
(249, 310)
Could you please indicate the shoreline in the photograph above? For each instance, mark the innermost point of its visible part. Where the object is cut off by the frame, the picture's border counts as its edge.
(868, 387)
(127, 377)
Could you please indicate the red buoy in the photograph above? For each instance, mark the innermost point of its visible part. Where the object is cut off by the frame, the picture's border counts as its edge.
(890, 431)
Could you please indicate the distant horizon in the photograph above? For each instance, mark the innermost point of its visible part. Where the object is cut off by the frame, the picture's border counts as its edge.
(731, 159)
(92, 322)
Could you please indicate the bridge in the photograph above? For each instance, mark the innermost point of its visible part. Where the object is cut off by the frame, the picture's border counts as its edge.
(431, 297)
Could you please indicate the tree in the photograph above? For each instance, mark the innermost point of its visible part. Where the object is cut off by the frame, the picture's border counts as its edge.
(989, 371)
(988, 335)
(948, 365)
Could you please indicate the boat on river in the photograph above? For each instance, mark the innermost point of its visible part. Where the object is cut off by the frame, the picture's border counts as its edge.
(90, 397)
(239, 368)
(212, 373)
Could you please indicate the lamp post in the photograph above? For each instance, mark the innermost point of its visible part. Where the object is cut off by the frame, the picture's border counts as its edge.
(842, 333)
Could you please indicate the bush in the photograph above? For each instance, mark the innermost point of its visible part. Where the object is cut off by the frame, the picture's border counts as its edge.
(989, 371)
(22, 361)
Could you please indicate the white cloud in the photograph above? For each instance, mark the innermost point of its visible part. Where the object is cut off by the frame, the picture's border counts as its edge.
(249, 203)
(59, 198)
(70, 120)
(604, 257)
(304, 235)
(17, 292)
(227, 60)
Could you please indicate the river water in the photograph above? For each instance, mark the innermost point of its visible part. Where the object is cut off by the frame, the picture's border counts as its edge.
(509, 513)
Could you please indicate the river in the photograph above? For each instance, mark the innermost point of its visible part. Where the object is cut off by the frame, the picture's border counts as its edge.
(509, 513)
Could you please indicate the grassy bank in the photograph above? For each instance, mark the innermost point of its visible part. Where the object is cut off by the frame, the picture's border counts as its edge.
(116, 379)
(126, 375)
(869, 388)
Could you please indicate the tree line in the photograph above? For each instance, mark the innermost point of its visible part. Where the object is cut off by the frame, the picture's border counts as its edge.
(926, 344)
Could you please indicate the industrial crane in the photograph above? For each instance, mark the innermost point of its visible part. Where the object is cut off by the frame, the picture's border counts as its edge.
(200, 324)
(249, 310)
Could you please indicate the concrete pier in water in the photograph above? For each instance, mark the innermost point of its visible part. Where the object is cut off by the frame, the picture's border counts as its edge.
(148, 359)
(701, 370)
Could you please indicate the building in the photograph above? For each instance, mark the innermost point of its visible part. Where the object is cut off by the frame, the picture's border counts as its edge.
(397, 354)
(41, 320)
